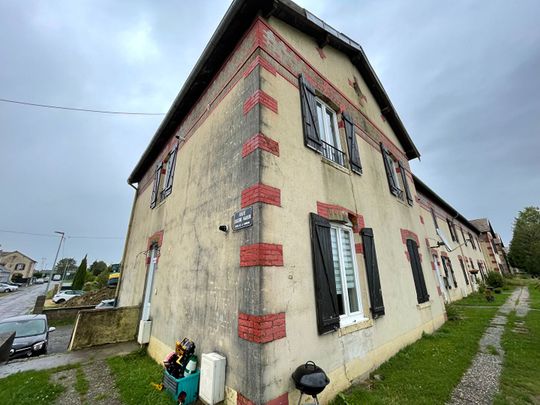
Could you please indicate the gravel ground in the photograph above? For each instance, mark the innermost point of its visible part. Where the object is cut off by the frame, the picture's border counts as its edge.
(67, 379)
(480, 382)
(102, 389)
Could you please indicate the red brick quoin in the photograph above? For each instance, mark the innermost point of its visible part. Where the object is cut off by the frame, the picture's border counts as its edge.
(260, 141)
(261, 193)
(261, 328)
(260, 97)
(261, 254)
(283, 399)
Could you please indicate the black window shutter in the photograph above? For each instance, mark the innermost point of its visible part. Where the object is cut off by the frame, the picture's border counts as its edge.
(389, 167)
(418, 275)
(372, 272)
(451, 229)
(352, 144)
(455, 231)
(464, 271)
(445, 267)
(405, 183)
(155, 191)
(463, 236)
(323, 274)
(170, 174)
(312, 137)
(452, 271)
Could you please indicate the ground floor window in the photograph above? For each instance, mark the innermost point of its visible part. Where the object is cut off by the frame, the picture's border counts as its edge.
(346, 274)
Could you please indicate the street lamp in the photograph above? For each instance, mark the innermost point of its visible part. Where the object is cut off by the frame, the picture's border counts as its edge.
(55, 258)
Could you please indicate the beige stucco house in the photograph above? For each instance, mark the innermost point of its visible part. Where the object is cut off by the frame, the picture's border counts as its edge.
(492, 246)
(276, 219)
(453, 242)
(18, 263)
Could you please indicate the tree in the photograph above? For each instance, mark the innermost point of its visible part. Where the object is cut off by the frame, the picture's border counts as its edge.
(80, 276)
(97, 267)
(65, 266)
(525, 246)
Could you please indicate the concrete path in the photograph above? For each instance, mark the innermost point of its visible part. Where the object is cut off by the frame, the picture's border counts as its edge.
(62, 359)
(480, 382)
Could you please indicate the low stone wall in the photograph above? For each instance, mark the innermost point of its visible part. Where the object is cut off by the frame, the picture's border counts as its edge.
(63, 314)
(6, 340)
(103, 326)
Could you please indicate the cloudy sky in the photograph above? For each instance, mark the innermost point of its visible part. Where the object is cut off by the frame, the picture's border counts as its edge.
(463, 75)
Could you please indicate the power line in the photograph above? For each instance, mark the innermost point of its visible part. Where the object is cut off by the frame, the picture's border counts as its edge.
(55, 236)
(58, 107)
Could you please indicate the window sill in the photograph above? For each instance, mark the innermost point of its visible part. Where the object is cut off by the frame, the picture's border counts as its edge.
(361, 324)
(335, 165)
(424, 305)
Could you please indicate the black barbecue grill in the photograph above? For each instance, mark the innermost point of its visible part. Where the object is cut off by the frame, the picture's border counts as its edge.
(310, 379)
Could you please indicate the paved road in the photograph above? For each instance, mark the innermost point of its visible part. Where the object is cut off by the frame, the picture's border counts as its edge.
(21, 301)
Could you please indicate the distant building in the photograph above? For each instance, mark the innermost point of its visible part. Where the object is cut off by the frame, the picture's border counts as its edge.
(5, 274)
(493, 247)
(18, 264)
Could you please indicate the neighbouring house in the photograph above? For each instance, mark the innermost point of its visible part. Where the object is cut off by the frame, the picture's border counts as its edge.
(460, 266)
(18, 264)
(276, 219)
(492, 246)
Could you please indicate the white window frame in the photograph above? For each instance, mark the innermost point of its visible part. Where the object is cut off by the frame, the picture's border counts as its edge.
(349, 318)
(332, 139)
(168, 169)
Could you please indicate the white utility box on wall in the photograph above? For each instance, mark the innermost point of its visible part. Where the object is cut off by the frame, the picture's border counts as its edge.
(212, 384)
(144, 332)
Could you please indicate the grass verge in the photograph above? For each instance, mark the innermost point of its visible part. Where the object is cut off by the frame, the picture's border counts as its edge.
(133, 374)
(30, 388)
(81, 383)
(477, 299)
(520, 379)
(427, 371)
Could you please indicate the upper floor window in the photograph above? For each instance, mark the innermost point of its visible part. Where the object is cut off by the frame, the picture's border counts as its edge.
(321, 132)
(331, 144)
(463, 236)
(471, 239)
(20, 266)
(396, 174)
(163, 178)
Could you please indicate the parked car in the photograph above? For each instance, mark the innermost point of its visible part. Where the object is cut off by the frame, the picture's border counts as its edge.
(66, 295)
(106, 304)
(5, 287)
(39, 281)
(15, 284)
(56, 277)
(31, 334)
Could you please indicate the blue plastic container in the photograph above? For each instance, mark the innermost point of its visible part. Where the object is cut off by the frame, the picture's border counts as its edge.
(188, 384)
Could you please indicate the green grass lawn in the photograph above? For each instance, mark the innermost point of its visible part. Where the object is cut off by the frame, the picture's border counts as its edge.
(30, 388)
(133, 374)
(520, 380)
(477, 299)
(427, 371)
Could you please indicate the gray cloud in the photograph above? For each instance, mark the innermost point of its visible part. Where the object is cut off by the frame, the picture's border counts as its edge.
(462, 75)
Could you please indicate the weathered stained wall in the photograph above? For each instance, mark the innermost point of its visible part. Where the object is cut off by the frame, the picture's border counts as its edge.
(199, 287)
(308, 182)
(95, 327)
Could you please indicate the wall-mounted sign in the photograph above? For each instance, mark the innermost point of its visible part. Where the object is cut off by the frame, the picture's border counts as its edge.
(242, 219)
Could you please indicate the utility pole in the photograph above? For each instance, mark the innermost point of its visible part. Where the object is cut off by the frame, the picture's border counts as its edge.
(55, 258)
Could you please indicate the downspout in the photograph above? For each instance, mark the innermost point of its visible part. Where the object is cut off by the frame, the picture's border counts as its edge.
(125, 245)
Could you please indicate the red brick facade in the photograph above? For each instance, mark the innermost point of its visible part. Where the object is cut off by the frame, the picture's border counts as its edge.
(261, 254)
(260, 141)
(261, 328)
(325, 210)
(261, 193)
(260, 61)
(260, 97)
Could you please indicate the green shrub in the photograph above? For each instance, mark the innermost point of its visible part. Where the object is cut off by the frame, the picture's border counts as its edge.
(481, 287)
(452, 313)
(497, 290)
(494, 280)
